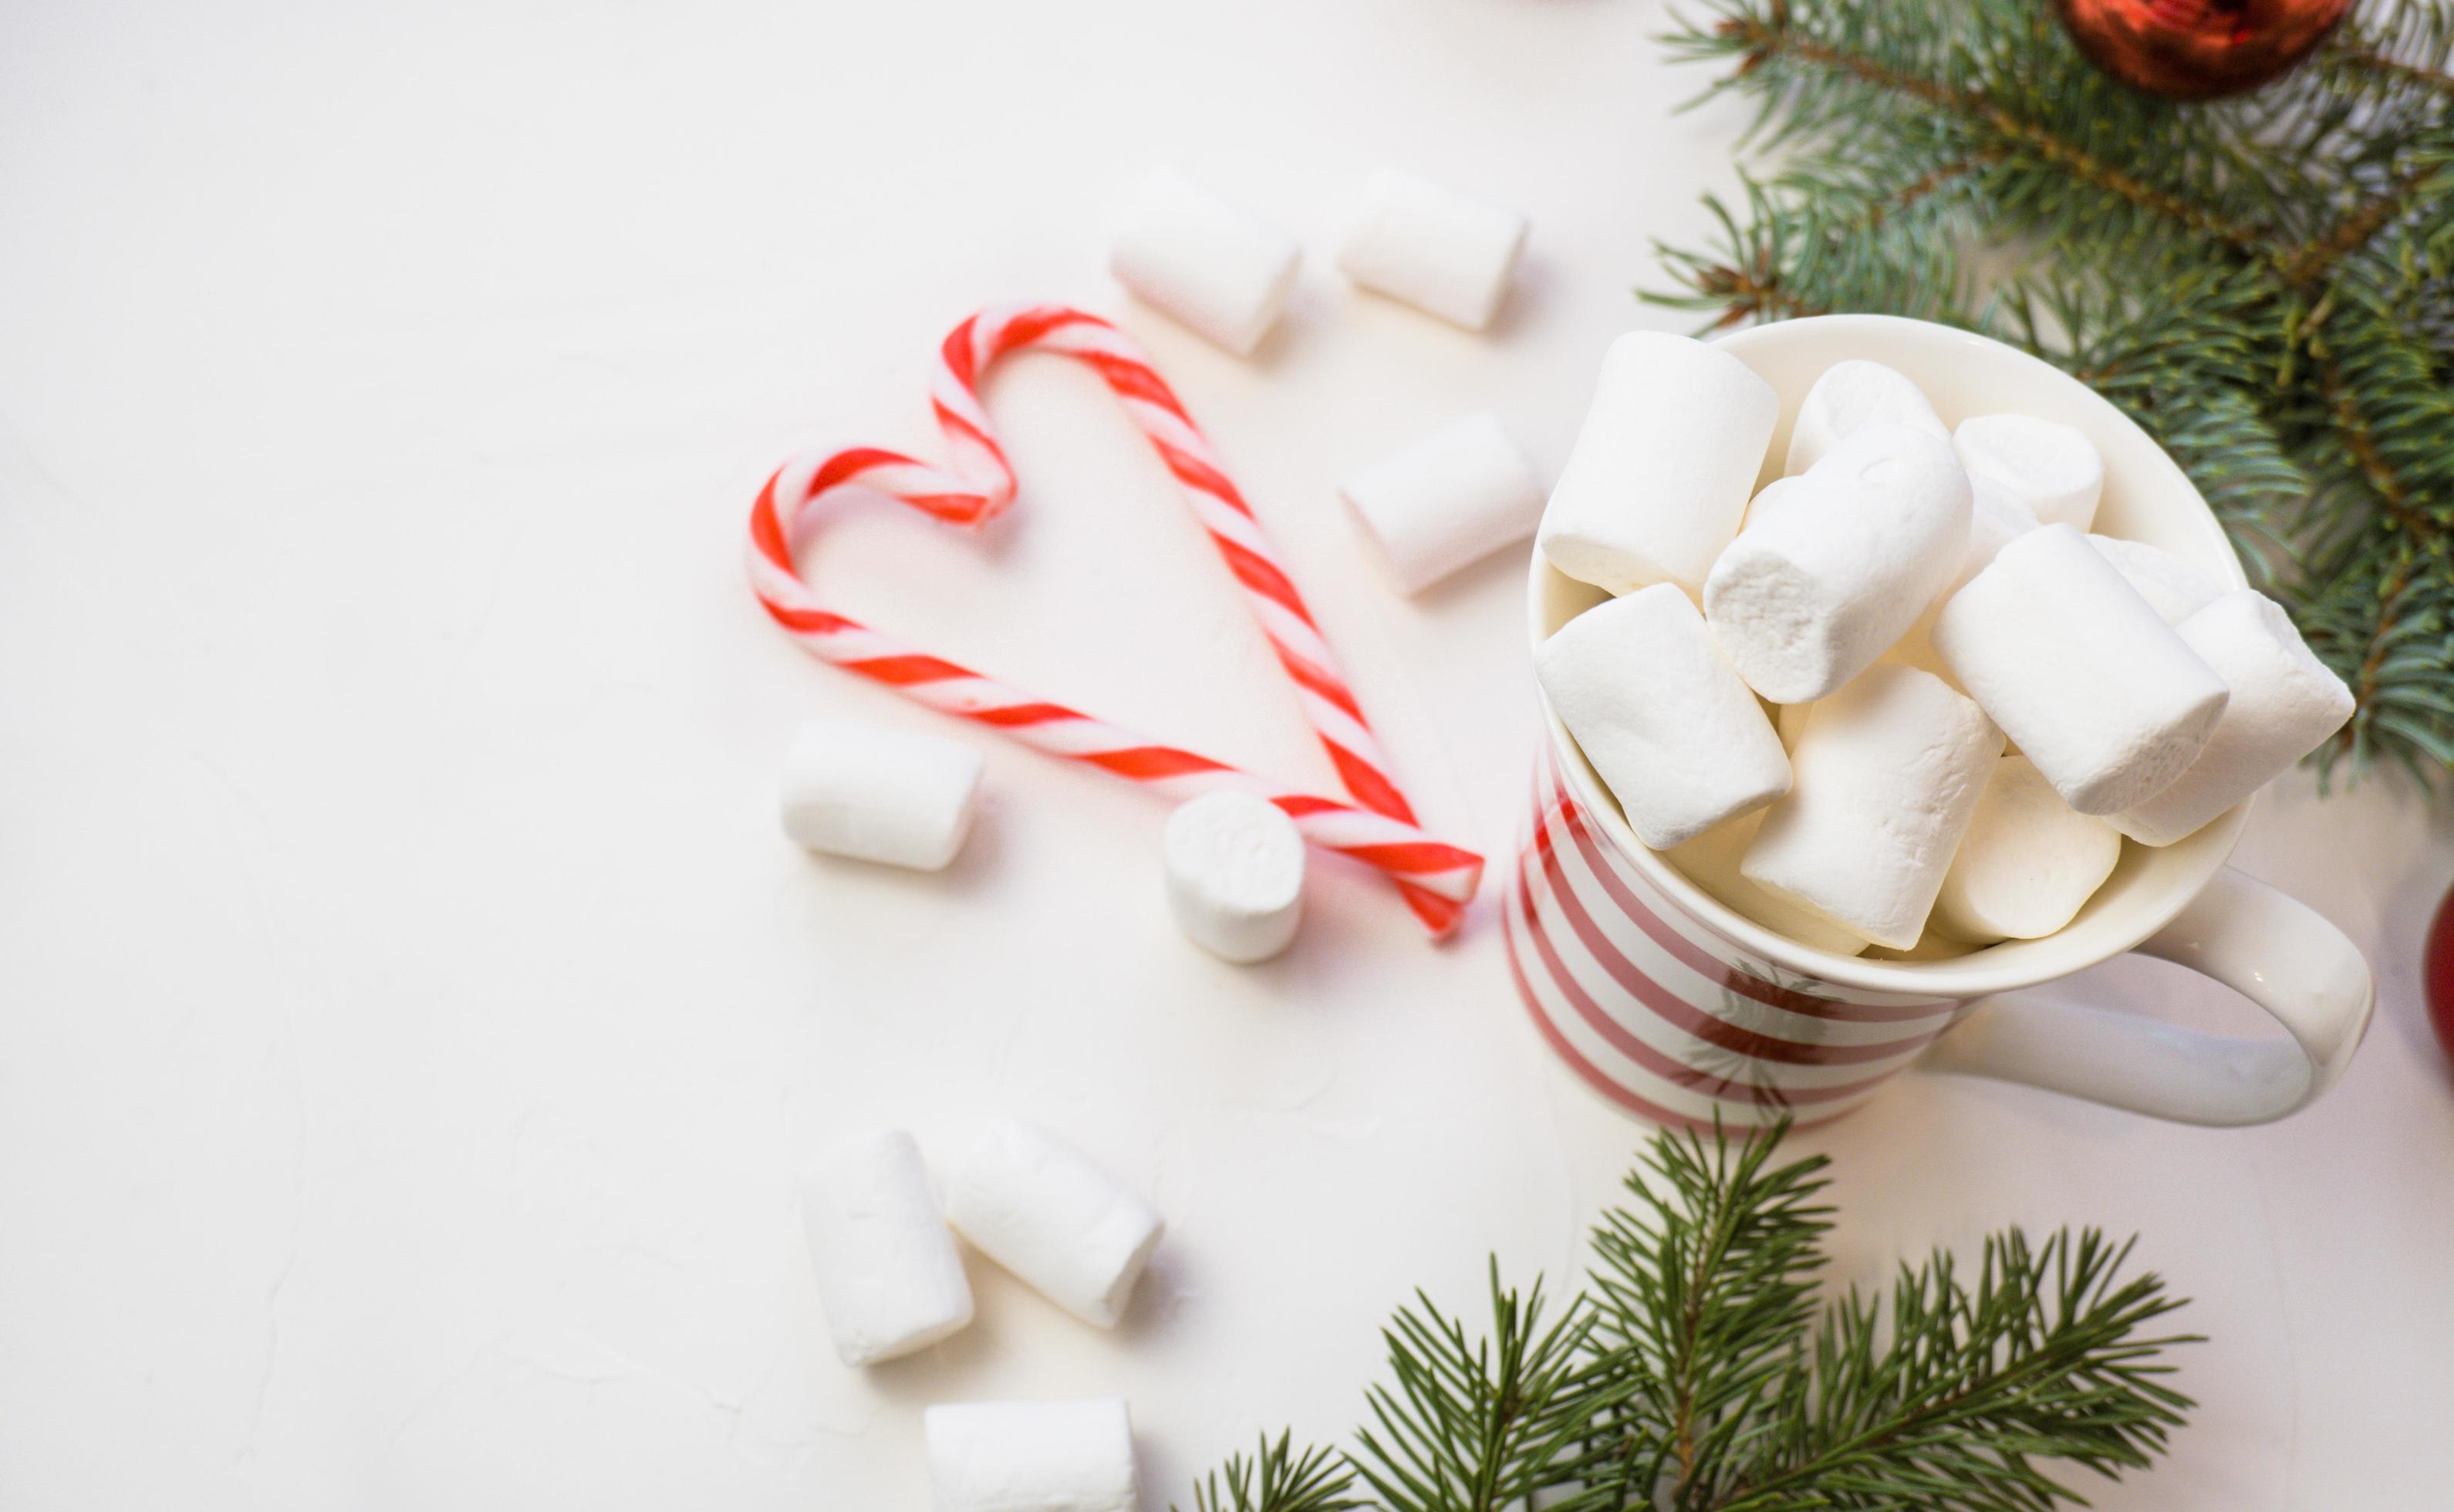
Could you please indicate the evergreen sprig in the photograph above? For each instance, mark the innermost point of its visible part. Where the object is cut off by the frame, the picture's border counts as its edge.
(1692, 1375)
(2264, 283)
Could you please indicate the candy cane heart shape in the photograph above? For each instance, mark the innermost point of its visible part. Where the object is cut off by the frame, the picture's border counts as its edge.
(1376, 826)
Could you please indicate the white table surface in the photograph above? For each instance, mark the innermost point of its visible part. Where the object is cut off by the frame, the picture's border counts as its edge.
(409, 1015)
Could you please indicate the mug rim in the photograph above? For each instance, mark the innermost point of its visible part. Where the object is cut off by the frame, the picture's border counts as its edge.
(1961, 976)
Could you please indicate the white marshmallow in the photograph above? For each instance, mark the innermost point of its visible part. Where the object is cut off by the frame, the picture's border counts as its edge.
(1889, 768)
(1810, 592)
(2027, 862)
(1031, 1457)
(1235, 874)
(1045, 1213)
(2046, 465)
(1995, 520)
(1450, 499)
(1770, 499)
(1663, 468)
(2066, 657)
(1440, 251)
(1849, 396)
(879, 795)
(1711, 861)
(2175, 588)
(2284, 703)
(1212, 264)
(889, 1278)
(1663, 716)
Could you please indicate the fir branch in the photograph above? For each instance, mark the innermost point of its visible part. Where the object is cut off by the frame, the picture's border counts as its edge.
(1692, 1377)
(1276, 1479)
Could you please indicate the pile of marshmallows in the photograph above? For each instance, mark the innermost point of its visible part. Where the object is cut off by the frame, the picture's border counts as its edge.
(890, 1282)
(1907, 595)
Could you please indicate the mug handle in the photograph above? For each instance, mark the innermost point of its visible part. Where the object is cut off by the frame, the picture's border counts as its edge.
(2273, 949)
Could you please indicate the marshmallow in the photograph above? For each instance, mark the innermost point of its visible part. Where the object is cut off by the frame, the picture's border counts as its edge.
(1889, 769)
(1452, 498)
(1995, 518)
(1815, 590)
(1769, 498)
(2175, 588)
(1054, 1219)
(1208, 263)
(1031, 1457)
(889, 1278)
(1711, 861)
(1661, 471)
(1849, 396)
(879, 795)
(1443, 253)
(2026, 863)
(1235, 874)
(2104, 697)
(2046, 464)
(2284, 703)
(1661, 716)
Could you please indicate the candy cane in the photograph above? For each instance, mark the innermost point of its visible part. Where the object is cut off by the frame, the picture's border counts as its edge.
(1378, 828)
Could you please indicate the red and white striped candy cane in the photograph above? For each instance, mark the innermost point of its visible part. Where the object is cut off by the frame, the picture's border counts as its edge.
(1378, 828)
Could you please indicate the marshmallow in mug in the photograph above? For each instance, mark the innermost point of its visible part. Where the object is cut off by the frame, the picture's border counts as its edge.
(1038, 1208)
(1814, 591)
(1711, 860)
(1031, 1457)
(2174, 588)
(2048, 466)
(1662, 714)
(1889, 769)
(879, 795)
(1663, 468)
(888, 1280)
(1446, 501)
(2088, 682)
(1995, 520)
(2284, 703)
(2027, 862)
(1212, 264)
(1443, 252)
(1850, 396)
(1234, 869)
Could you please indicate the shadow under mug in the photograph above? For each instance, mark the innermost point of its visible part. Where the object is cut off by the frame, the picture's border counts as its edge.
(1678, 1009)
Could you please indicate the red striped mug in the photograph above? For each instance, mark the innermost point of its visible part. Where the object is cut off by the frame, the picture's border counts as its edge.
(1676, 1007)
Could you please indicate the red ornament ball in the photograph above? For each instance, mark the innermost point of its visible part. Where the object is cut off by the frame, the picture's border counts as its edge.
(2196, 49)
(2437, 973)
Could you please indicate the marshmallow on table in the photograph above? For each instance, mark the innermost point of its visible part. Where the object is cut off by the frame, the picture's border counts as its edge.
(2027, 862)
(1444, 253)
(2102, 696)
(2047, 465)
(2175, 588)
(1210, 264)
(1812, 591)
(1711, 861)
(879, 795)
(1060, 1224)
(1849, 396)
(1031, 1457)
(1995, 520)
(889, 1278)
(1452, 498)
(1235, 874)
(1663, 466)
(2284, 703)
(1658, 709)
(1889, 769)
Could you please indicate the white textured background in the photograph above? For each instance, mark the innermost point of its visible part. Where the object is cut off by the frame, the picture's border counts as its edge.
(409, 1016)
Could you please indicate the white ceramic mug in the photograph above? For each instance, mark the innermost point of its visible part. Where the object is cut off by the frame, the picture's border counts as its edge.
(1677, 1008)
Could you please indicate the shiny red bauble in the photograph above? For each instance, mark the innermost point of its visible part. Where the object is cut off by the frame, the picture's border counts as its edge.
(2437, 973)
(2196, 49)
